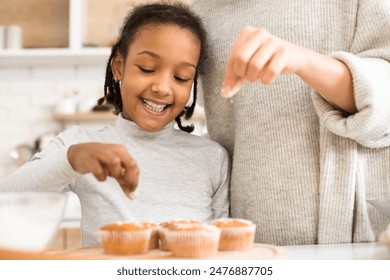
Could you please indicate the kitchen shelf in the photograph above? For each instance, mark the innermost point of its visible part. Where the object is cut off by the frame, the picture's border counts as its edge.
(65, 56)
(92, 116)
(75, 54)
(107, 116)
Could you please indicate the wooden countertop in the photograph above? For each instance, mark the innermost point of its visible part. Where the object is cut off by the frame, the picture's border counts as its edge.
(350, 251)
(258, 252)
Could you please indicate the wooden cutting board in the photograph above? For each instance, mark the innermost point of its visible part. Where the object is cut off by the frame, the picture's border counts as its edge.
(258, 252)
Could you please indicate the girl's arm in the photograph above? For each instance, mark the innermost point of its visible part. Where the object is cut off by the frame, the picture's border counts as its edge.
(48, 170)
(58, 165)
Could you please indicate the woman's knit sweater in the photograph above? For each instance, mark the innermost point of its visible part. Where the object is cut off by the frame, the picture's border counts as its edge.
(302, 170)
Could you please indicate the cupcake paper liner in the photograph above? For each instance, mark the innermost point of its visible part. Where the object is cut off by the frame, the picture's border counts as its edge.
(193, 243)
(125, 242)
(172, 223)
(237, 238)
(236, 234)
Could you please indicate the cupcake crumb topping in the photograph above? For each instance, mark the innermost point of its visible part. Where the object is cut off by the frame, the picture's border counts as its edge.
(119, 226)
(228, 223)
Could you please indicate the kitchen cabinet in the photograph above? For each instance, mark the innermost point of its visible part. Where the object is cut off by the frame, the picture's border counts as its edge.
(198, 116)
(85, 117)
(92, 27)
(94, 120)
(74, 54)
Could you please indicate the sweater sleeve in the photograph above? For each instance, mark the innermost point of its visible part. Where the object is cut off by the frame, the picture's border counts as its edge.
(220, 201)
(48, 170)
(368, 62)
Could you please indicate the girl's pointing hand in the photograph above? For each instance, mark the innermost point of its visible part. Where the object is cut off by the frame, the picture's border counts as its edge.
(104, 160)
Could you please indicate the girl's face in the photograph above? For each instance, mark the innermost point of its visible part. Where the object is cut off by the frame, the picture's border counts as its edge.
(157, 74)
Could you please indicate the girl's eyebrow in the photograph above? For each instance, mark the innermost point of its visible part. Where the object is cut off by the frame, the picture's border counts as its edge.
(154, 55)
(149, 53)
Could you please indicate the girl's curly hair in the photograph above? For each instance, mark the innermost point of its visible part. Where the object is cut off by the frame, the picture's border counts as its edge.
(156, 14)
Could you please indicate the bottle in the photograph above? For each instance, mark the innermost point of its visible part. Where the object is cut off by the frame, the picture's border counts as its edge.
(14, 37)
(2, 37)
(66, 106)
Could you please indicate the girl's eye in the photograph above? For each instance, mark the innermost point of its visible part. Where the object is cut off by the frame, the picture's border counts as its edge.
(181, 80)
(145, 70)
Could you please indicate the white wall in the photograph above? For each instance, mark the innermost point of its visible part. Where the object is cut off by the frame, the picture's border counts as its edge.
(28, 95)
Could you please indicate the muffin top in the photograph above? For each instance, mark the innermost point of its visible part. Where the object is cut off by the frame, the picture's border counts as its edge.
(231, 223)
(123, 226)
(149, 225)
(174, 223)
(192, 227)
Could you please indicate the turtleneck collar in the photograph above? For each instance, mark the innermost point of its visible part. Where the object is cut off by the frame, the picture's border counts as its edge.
(130, 128)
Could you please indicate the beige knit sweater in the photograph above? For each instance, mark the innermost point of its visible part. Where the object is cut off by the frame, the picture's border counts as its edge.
(302, 171)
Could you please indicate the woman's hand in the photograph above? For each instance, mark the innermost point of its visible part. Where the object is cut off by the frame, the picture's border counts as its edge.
(257, 55)
(104, 160)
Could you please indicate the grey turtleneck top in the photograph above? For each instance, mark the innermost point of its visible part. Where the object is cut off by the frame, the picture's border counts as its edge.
(181, 176)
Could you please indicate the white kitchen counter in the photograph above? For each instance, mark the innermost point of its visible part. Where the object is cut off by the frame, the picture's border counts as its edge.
(353, 251)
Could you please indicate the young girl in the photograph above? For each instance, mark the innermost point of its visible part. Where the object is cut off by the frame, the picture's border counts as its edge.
(150, 73)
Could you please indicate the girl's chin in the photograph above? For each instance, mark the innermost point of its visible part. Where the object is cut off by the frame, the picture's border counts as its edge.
(148, 122)
(151, 126)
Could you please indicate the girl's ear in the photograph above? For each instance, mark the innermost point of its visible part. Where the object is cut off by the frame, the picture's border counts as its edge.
(117, 67)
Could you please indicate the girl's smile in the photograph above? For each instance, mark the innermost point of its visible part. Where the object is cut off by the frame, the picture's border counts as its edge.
(157, 74)
(155, 107)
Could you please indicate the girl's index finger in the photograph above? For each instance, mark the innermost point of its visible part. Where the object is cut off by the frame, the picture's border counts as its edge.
(130, 173)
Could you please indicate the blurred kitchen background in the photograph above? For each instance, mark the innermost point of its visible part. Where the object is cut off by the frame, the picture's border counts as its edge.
(52, 64)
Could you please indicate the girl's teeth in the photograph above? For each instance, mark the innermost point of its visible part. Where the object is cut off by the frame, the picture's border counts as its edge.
(154, 107)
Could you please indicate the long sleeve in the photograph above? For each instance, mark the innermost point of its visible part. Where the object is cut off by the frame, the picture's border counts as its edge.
(368, 61)
(220, 201)
(48, 170)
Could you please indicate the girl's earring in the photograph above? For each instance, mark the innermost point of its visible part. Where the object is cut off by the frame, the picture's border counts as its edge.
(120, 83)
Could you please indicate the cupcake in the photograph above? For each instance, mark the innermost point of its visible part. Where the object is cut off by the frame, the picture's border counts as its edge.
(236, 234)
(193, 240)
(168, 224)
(388, 231)
(125, 238)
(154, 238)
(384, 237)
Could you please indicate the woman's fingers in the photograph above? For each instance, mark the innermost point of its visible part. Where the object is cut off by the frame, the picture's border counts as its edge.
(243, 49)
(257, 55)
(258, 61)
(272, 69)
(246, 47)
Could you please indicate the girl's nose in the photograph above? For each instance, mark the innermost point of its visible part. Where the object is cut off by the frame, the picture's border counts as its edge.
(162, 87)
